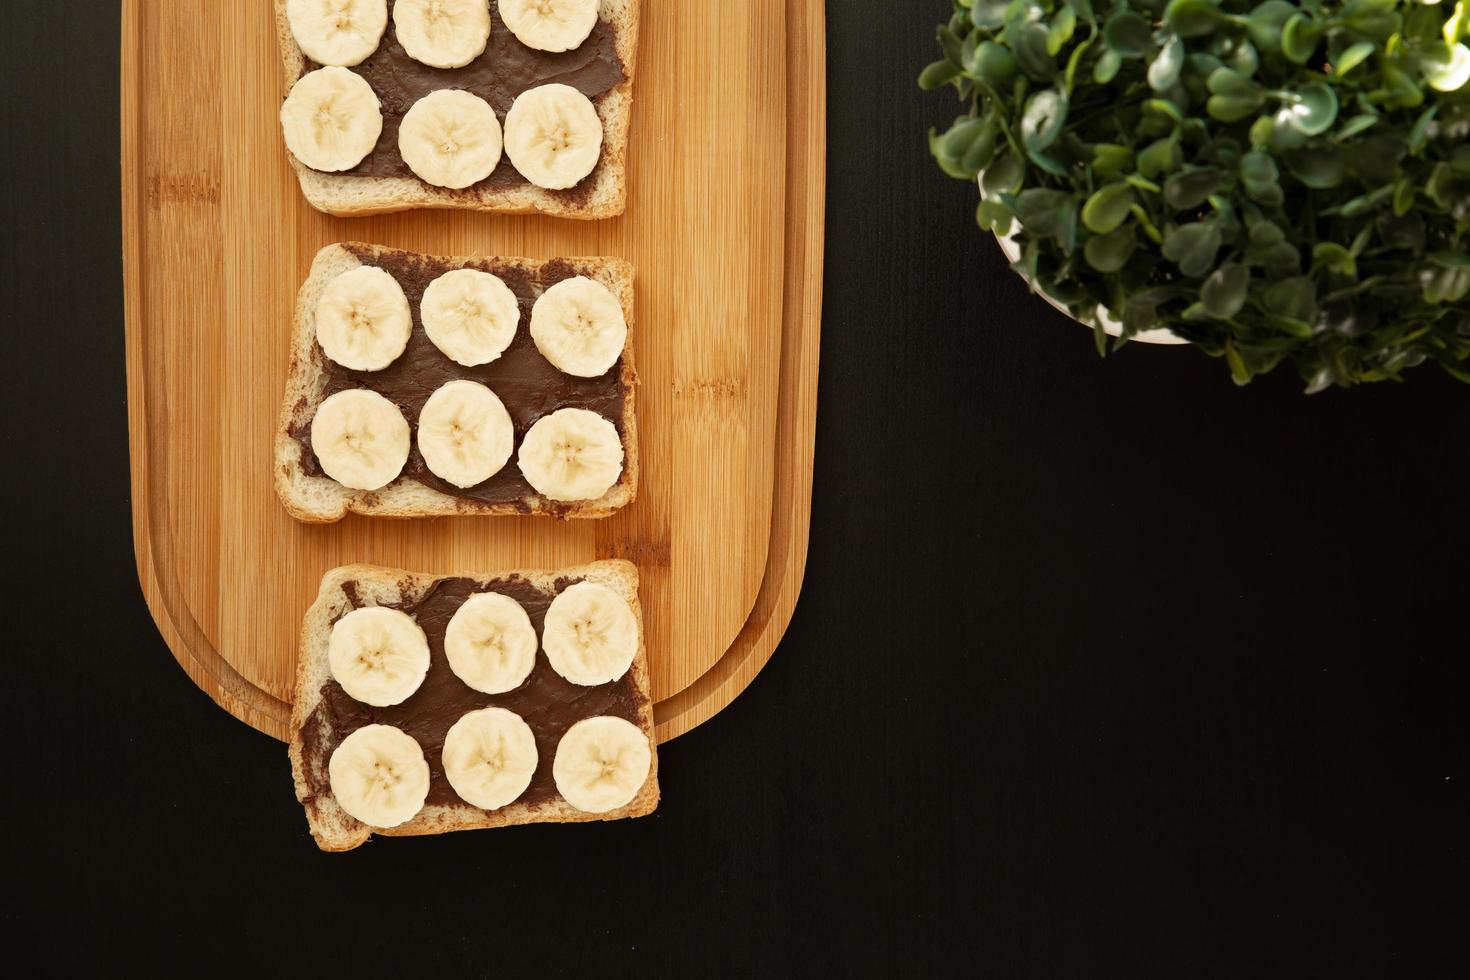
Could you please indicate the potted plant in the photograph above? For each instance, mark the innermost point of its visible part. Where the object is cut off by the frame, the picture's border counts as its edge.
(1272, 182)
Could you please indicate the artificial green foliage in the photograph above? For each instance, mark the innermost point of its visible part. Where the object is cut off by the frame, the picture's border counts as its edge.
(1275, 182)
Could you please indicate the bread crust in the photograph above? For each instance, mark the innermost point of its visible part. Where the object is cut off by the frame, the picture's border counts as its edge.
(357, 195)
(331, 826)
(322, 500)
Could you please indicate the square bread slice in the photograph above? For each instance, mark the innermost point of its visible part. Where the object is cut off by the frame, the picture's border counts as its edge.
(314, 731)
(313, 497)
(602, 194)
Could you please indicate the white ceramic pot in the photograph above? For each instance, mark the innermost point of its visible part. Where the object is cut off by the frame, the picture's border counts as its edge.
(1012, 249)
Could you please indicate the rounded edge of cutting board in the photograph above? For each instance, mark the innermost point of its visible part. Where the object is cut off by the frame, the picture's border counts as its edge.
(796, 409)
(796, 420)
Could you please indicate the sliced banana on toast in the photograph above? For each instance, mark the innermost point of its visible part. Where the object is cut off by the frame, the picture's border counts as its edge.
(571, 454)
(601, 764)
(338, 32)
(442, 33)
(380, 656)
(465, 433)
(550, 25)
(360, 438)
(490, 643)
(363, 320)
(471, 316)
(590, 634)
(331, 119)
(578, 326)
(450, 138)
(378, 775)
(553, 136)
(489, 757)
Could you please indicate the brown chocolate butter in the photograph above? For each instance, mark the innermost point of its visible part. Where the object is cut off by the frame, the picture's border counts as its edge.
(547, 702)
(505, 70)
(528, 384)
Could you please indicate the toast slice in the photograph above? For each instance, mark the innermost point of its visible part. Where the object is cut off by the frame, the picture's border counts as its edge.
(602, 194)
(312, 497)
(320, 708)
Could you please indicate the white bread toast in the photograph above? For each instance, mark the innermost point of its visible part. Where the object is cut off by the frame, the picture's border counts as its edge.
(603, 194)
(310, 746)
(314, 498)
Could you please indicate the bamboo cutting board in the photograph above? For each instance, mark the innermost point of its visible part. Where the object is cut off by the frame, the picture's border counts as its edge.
(724, 225)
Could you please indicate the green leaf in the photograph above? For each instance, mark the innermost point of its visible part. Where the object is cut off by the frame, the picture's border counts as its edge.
(1192, 247)
(1060, 32)
(1294, 298)
(1224, 292)
(1111, 159)
(1238, 371)
(1232, 108)
(993, 216)
(1164, 71)
(1165, 109)
(1446, 67)
(1110, 252)
(1266, 21)
(1160, 157)
(1003, 176)
(988, 14)
(938, 74)
(1107, 67)
(1352, 58)
(1372, 18)
(1403, 197)
(1299, 38)
(1107, 208)
(1128, 34)
(1040, 209)
(1261, 131)
(1193, 186)
(1354, 126)
(1042, 122)
(1440, 285)
(1192, 18)
(993, 64)
(1228, 81)
(1314, 109)
(1317, 167)
(1029, 48)
(947, 161)
(1419, 135)
(1332, 256)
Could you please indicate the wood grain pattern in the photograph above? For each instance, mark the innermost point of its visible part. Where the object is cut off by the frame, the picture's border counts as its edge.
(726, 234)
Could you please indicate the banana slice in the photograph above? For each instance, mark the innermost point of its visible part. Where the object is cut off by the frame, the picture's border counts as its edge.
(337, 32)
(578, 326)
(590, 634)
(471, 316)
(378, 655)
(360, 438)
(450, 138)
(442, 33)
(363, 320)
(550, 25)
(378, 775)
(601, 763)
(489, 757)
(571, 454)
(331, 119)
(553, 136)
(465, 433)
(490, 643)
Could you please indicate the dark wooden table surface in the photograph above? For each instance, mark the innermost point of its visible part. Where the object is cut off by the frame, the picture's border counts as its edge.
(1102, 668)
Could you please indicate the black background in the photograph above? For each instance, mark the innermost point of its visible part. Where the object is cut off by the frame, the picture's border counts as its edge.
(1101, 667)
